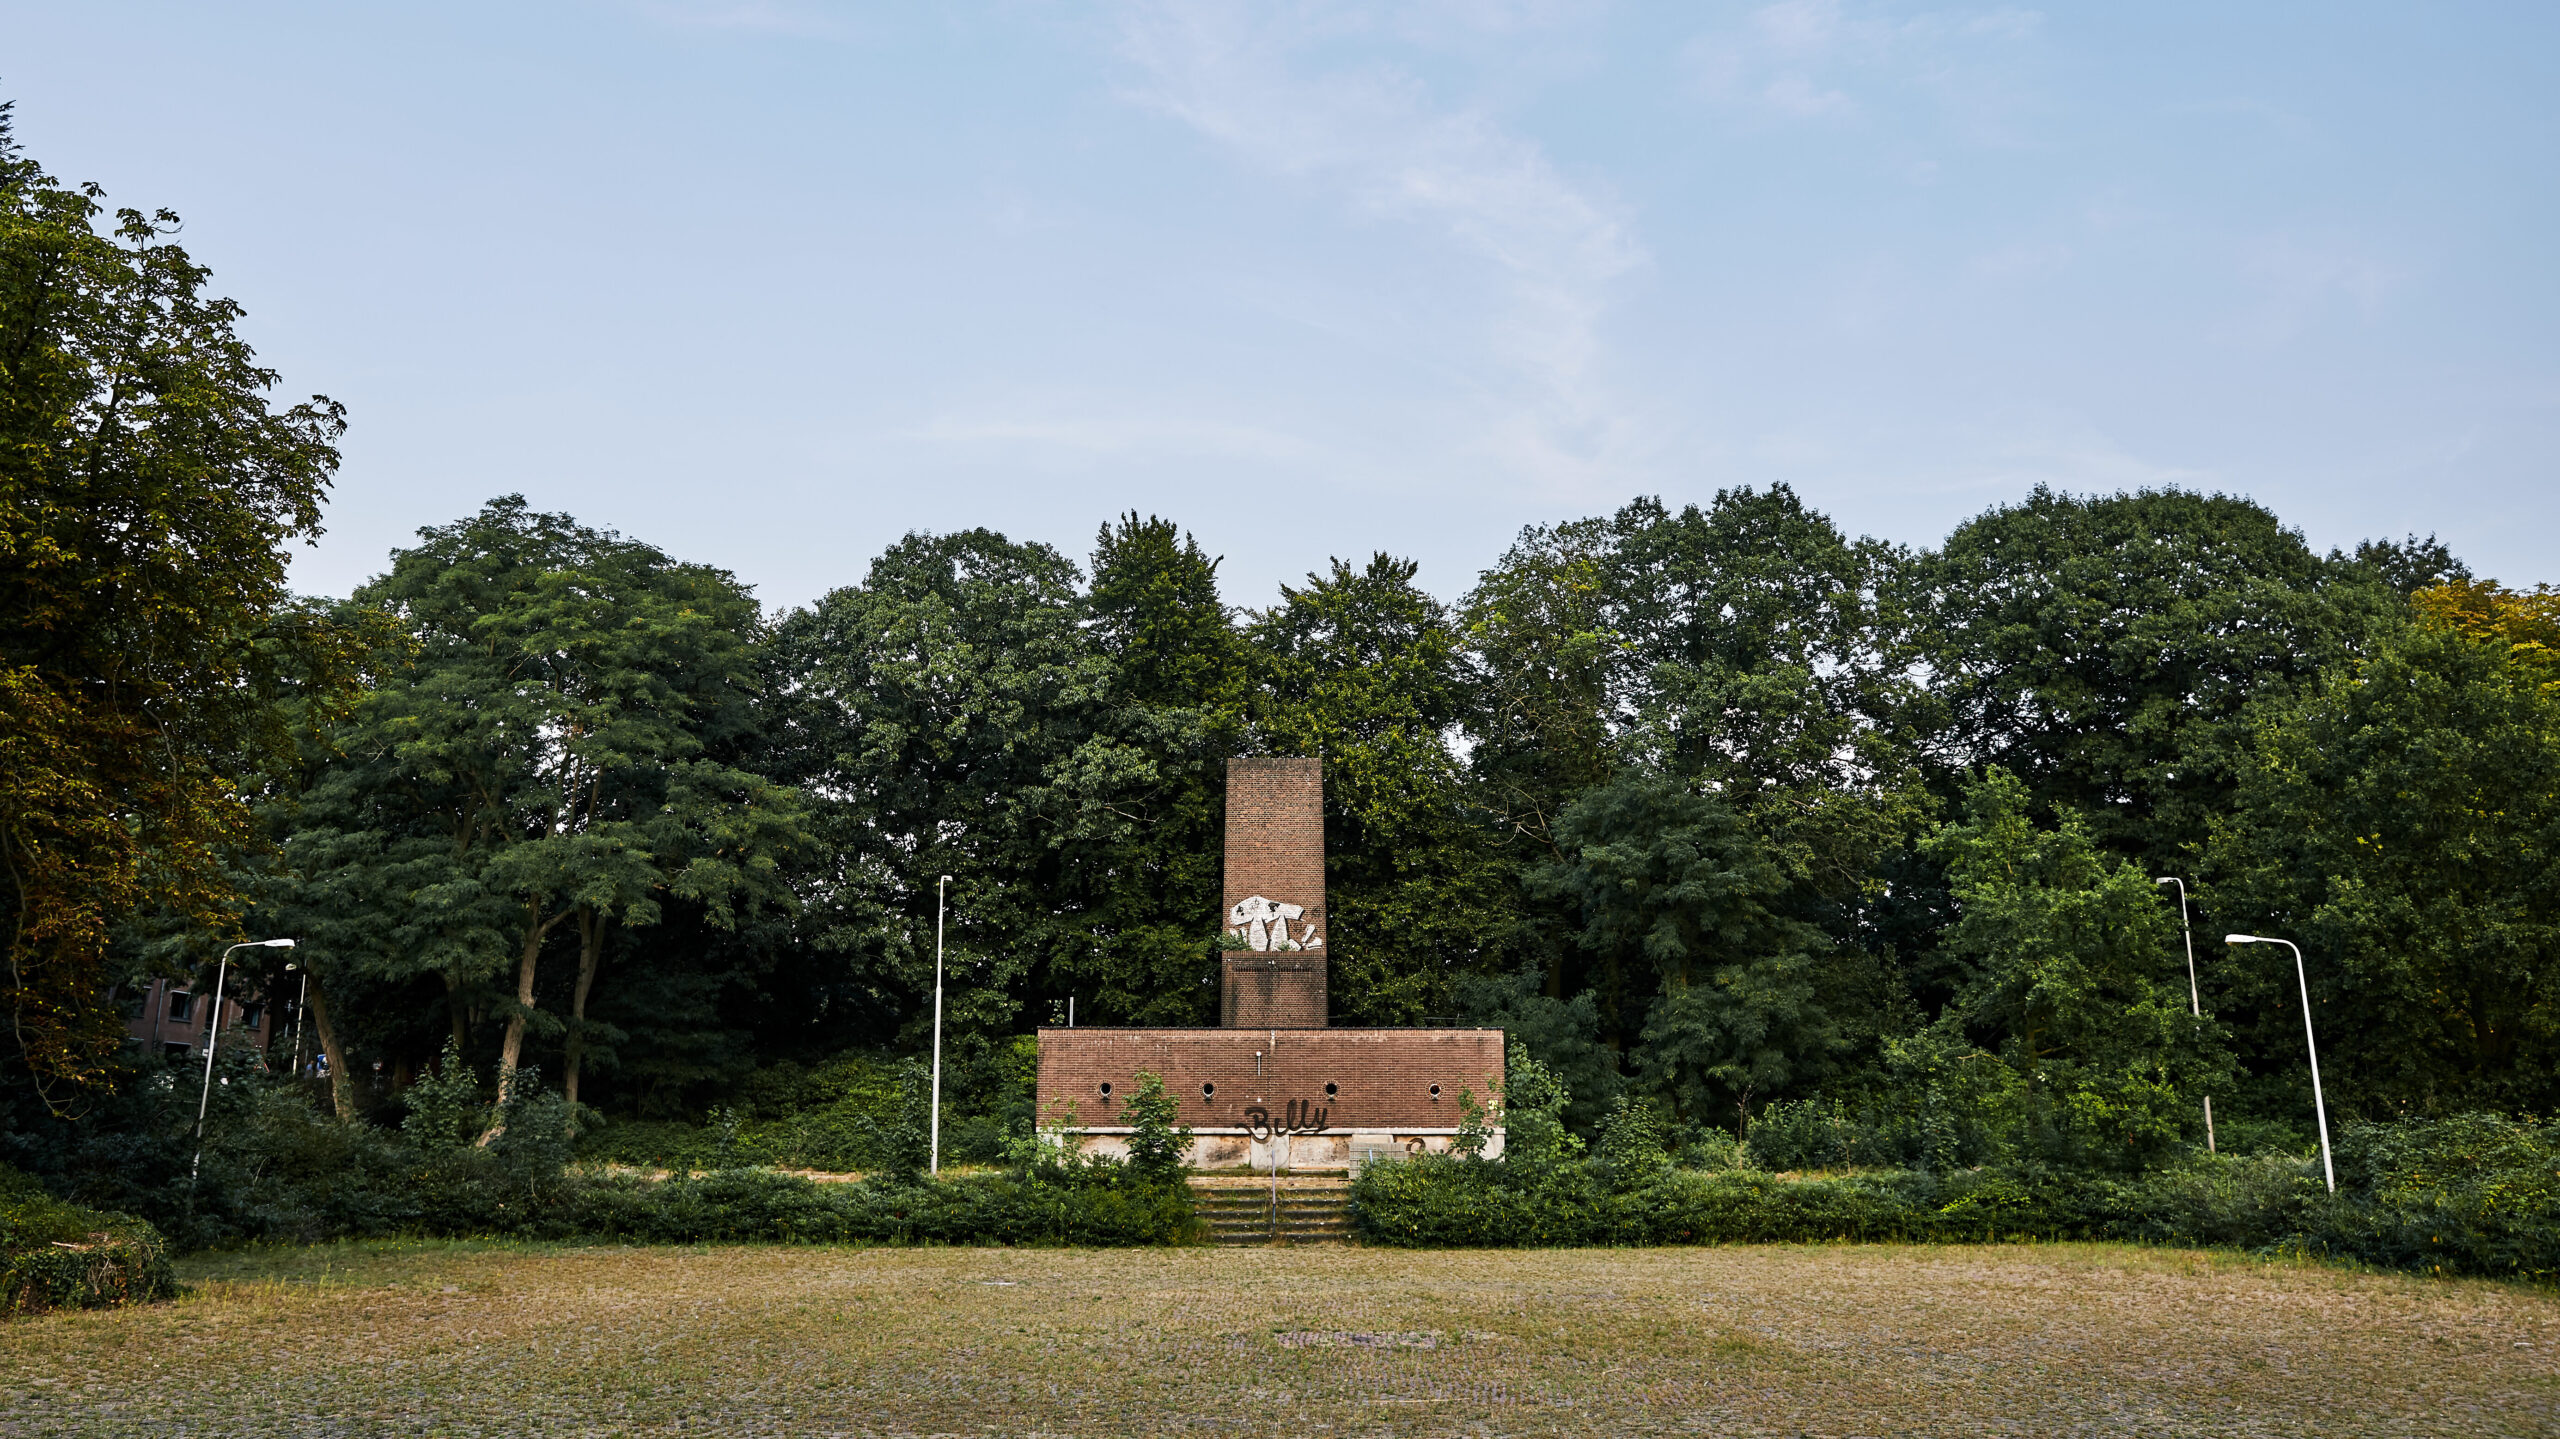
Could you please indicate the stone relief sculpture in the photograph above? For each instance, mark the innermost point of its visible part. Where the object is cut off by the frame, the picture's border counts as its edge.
(1264, 923)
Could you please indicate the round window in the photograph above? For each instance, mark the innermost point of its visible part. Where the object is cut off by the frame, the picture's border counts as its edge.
(1106, 1090)
(1435, 1091)
(1331, 1090)
(1208, 1091)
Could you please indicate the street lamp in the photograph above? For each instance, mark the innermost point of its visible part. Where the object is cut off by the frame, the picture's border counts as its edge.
(2195, 997)
(935, 1166)
(302, 1002)
(212, 1037)
(2319, 1105)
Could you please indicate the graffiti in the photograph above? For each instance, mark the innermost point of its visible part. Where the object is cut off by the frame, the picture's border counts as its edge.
(1297, 1117)
(1264, 923)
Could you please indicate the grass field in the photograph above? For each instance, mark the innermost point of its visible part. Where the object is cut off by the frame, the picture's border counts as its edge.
(465, 1339)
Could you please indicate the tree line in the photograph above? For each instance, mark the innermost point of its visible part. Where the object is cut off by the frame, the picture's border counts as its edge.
(1721, 812)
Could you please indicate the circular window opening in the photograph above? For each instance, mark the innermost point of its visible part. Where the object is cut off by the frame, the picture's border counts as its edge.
(1331, 1090)
(1435, 1091)
(1106, 1090)
(1208, 1091)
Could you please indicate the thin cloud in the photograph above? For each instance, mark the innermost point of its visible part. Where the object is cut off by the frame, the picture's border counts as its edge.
(1259, 82)
(1815, 59)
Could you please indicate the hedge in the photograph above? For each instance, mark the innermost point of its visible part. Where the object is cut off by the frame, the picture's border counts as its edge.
(57, 1256)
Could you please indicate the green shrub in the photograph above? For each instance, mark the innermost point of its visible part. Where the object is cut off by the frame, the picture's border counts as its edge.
(2472, 1194)
(1105, 1205)
(57, 1256)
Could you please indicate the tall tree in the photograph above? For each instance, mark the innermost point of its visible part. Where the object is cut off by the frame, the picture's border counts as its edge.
(943, 714)
(2071, 973)
(2400, 820)
(1681, 905)
(148, 488)
(2103, 649)
(539, 762)
(1175, 711)
(1363, 669)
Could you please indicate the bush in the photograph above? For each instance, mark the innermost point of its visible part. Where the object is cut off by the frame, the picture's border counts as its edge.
(1098, 1204)
(56, 1256)
(2472, 1194)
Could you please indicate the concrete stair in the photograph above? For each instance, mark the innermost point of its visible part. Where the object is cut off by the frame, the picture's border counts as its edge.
(1313, 1209)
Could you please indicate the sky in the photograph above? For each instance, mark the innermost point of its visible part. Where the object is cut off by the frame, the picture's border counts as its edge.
(771, 283)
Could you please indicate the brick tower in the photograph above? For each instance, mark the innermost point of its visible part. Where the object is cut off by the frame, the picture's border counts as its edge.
(1274, 903)
(1273, 1086)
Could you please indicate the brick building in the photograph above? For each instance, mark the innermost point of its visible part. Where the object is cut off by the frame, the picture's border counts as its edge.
(1274, 1083)
(169, 1018)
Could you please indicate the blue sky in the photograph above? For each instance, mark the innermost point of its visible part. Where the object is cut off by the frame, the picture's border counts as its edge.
(772, 282)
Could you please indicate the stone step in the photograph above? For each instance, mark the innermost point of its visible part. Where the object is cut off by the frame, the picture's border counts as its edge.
(1240, 1211)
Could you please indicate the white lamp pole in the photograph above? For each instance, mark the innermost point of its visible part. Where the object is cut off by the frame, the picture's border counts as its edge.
(212, 1037)
(301, 1002)
(2195, 996)
(2319, 1105)
(936, 1163)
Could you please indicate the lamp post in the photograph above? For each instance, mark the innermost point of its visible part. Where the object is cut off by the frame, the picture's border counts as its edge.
(301, 1002)
(213, 1037)
(2319, 1105)
(2195, 996)
(935, 1164)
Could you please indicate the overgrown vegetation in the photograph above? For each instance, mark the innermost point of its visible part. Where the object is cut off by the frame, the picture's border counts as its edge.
(2469, 1194)
(57, 1256)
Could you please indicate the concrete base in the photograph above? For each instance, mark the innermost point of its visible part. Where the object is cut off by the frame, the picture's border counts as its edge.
(1240, 1151)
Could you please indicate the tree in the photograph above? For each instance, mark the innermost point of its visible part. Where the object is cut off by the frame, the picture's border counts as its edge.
(2070, 973)
(539, 761)
(2102, 649)
(1362, 669)
(147, 490)
(943, 714)
(1174, 712)
(1680, 905)
(2401, 821)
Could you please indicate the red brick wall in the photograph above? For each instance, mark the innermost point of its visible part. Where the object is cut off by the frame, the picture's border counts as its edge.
(1382, 1078)
(1275, 852)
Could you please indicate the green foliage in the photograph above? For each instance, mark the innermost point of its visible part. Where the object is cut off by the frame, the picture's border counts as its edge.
(1680, 906)
(1631, 1151)
(444, 1107)
(149, 494)
(2401, 821)
(2070, 956)
(57, 1256)
(538, 754)
(1080, 1204)
(2103, 649)
(1534, 1100)
(1156, 1143)
(1364, 669)
(2476, 1194)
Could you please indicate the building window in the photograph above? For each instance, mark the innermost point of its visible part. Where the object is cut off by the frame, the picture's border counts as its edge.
(1435, 1094)
(252, 1015)
(174, 1050)
(1332, 1091)
(1208, 1091)
(1106, 1091)
(181, 1005)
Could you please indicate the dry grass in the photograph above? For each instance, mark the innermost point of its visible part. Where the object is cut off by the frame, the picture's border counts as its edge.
(461, 1339)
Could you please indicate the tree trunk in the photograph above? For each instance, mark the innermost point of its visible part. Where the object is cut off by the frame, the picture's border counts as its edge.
(454, 1006)
(591, 931)
(342, 1091)
(511, 1049)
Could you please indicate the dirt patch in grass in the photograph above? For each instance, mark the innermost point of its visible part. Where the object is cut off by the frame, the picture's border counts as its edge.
(473, 1339)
